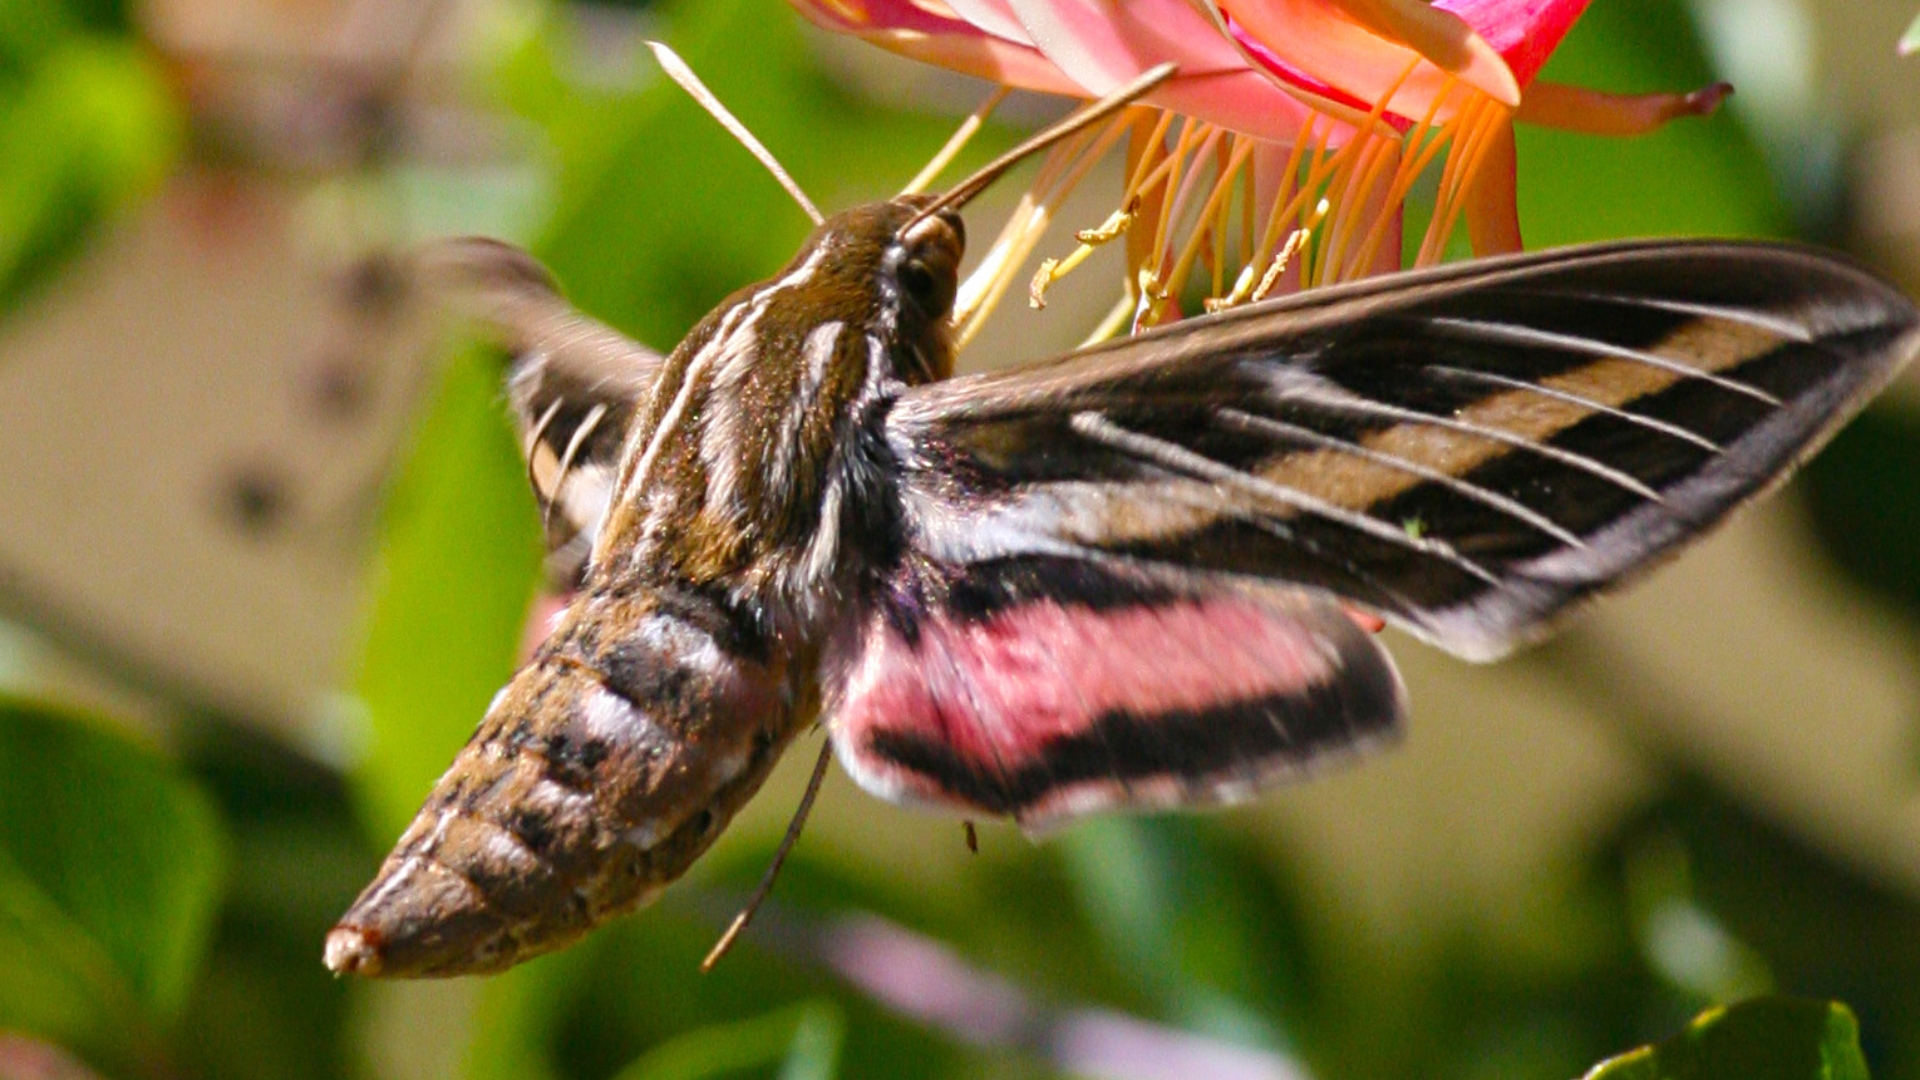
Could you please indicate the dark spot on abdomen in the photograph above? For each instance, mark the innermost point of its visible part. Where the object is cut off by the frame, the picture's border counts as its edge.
(533, 827)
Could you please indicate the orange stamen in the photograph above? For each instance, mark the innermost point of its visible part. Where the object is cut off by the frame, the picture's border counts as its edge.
(1216, 200)
(1420, 152)
(1491, 117)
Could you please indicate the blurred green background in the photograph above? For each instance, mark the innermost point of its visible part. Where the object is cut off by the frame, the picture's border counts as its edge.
(266, 552)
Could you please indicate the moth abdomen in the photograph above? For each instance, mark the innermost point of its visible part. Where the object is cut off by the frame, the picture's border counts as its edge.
(604, 768)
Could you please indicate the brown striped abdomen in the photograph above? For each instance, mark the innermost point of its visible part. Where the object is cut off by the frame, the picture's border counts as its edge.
(608, 764)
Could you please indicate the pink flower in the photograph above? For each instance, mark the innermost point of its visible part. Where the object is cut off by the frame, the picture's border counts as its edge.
(1256, 66)
(1335, 105)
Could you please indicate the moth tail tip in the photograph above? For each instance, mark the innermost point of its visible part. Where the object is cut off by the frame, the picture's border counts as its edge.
(352, 951)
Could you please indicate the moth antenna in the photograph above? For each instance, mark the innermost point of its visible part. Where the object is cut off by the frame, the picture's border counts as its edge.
(679, 72)
(579, 439)
(958, 141)
(740, 921)
(963, 192)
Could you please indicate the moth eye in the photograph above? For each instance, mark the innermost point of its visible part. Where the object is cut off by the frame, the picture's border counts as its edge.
(918, 280)
(924, 262)
(931, 286)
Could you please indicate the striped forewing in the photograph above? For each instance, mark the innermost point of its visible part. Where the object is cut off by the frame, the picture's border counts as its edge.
(1466, 450)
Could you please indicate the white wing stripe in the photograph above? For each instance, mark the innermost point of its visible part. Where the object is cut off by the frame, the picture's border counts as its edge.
(1314, 391)
(1097, 428)
(1490, 379)
(1528, 335)
(1520, 511)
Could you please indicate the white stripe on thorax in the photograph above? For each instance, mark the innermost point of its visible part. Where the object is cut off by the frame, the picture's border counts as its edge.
(735, 333)
(823, 550)
(816, 353)
(670, 420)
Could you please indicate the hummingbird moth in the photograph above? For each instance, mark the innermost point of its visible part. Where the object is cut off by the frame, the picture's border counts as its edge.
(1124, 578)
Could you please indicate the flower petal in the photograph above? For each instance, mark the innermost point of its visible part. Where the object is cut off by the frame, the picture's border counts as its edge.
(1330, 99)
(1245, 101)
(1524, 31)
(1451, 43)
(931, 33)
(1101, 44)
(994, 16)
(1315, 38)
(868, 16)
(1575, 108)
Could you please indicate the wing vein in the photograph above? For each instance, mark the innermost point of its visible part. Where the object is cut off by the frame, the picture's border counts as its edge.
(1353, 403)
(580, 435)
(533, 452)
(1651, 423)
(1097, 428)
(1254, 519)
(1495, 500)
(1785, 328)
(1508, 333)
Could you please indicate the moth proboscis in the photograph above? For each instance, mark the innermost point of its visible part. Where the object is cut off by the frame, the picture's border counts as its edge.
(1131, 577)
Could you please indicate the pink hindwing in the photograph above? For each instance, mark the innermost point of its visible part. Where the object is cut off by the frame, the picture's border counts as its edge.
(1090, 689)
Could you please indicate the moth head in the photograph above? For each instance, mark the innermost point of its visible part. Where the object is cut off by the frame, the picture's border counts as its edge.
(921, 263)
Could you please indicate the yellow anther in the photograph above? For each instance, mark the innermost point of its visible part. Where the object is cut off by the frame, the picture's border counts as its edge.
(1242, 288)
(1148, 284)
(1110, 229)
(1296, 242)
(1052, 270)
(1043, 277)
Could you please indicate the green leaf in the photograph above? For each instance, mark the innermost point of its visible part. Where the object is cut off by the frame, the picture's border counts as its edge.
(264, 1008)
(803, 1040)
(29, 29)
(1693, 177)
(1195, 918)
(1763, 1039)
(93, 128)
(1910, 41)
(1126, 886)
(1864, 491)
(459, 553)
(814, 1050)
(1811, 917)
(110, 866)
(519, 1012)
